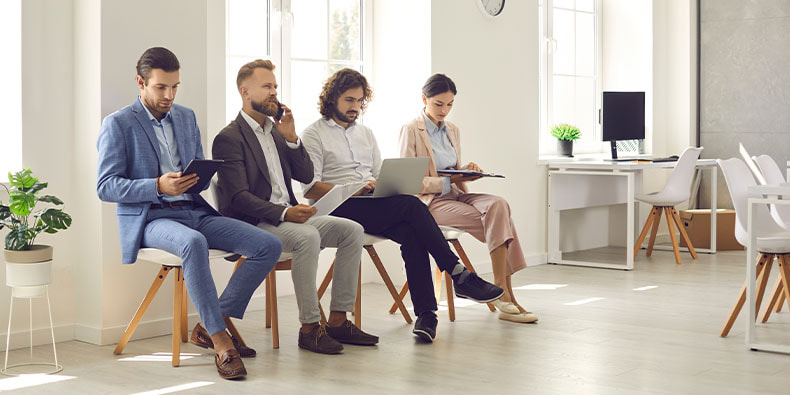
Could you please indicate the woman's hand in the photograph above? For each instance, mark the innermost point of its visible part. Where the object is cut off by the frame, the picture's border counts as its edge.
(459, 178)
(473, 166)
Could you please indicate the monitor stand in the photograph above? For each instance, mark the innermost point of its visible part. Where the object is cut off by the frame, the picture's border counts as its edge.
(613, 148)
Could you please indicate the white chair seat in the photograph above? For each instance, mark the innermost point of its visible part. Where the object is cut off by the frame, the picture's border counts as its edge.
(369, 239)
(451, 233)
(774, 244)
(662, 199)
(162, 257)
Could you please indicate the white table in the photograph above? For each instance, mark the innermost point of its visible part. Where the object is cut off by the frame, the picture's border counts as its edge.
(594, 183)
(759, 194)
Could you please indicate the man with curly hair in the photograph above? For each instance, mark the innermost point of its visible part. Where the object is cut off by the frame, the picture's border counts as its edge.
(344, 151)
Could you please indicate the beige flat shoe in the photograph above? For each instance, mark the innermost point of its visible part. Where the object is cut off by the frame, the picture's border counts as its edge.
(505, 307)
(520, 317)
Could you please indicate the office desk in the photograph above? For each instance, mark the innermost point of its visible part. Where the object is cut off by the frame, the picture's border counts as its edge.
(759, 194)
(595, 183)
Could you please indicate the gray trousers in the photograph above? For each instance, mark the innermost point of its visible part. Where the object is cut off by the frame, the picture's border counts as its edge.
(305, 241)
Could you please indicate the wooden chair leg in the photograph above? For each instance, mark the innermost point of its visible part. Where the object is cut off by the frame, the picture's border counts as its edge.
(267, 287)
(762, 282)
(781, 299)
(448, 282)
(437, 284)
(467, 263)
(654, 231)
(648, 222)
(675, 247)
(274, 318)
(178, 294)
(358, 302)
(736, 309)
(777, 296)
(387, 281)
(184, 317)
(683, 233)
(401, 295)
(784, 272)
(138, 315)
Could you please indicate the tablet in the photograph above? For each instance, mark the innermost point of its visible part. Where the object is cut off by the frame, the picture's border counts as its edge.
(205, 169)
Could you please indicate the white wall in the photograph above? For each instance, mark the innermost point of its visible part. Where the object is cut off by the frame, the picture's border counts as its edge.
(494, 63)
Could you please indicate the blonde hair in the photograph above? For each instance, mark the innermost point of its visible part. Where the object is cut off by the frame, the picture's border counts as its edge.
(249, 68)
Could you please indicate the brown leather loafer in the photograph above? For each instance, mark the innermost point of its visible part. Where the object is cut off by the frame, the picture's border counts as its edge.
(229, 365)
(349, 333)
(318, 341)
(201, 338)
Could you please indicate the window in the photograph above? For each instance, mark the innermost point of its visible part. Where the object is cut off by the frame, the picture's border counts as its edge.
(307, 40)
(570, 77)
(10, 101)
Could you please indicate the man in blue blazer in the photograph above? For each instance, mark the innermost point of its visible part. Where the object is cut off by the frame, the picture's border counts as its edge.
(143, 148)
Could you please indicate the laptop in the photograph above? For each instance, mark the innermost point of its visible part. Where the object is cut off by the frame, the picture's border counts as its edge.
(399, 176)
(752, 166)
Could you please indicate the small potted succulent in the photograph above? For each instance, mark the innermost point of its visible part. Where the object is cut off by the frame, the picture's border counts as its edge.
(565, 135)
(29, 265)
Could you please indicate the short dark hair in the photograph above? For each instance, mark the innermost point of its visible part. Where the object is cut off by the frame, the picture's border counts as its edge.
(438, 84)
(337, 84)
(156, 58)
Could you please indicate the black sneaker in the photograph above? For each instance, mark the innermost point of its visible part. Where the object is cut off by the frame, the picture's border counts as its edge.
(425, 326)
(470, 286)
(349, 333)
(318, 341)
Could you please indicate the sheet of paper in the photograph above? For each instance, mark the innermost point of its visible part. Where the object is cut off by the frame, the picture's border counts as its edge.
(335, 197)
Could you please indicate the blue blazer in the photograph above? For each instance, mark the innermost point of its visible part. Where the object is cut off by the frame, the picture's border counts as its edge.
(129, 165)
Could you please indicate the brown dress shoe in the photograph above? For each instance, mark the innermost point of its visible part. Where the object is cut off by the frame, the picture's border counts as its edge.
(201, 338)
(349, 333)
(318, 341)
(229, 365)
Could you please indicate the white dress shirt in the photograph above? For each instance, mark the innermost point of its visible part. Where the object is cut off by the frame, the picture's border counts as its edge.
(341, 155)
(264, 134)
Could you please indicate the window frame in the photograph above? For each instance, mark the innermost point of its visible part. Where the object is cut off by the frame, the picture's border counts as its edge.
(547, 143)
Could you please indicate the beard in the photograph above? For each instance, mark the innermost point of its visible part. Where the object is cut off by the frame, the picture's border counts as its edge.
(266, 107)
(157, 106)
(348, 117)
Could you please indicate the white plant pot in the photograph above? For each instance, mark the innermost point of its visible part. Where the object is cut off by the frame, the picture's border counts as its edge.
(28, 272)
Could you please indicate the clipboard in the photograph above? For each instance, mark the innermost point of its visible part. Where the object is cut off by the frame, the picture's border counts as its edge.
(449, 172)
(205, 169)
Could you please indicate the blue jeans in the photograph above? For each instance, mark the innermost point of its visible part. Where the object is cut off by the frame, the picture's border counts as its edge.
(189, 233)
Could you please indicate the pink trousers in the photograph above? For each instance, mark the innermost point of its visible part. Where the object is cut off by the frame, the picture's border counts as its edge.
(486, 217)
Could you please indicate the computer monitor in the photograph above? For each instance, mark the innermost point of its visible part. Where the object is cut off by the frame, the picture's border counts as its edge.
(623, 117)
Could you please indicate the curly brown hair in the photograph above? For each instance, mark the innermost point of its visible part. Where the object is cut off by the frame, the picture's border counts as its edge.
(339, 83)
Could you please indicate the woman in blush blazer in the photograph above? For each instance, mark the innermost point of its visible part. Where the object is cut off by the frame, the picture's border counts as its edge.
(486, 217)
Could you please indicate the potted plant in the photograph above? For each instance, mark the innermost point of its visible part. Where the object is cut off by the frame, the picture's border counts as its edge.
(565, 135)
(29, 265)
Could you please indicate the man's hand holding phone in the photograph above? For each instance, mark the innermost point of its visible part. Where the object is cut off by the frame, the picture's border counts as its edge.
(299, 213)
(284, 122)
(174, 184)
(369, 187)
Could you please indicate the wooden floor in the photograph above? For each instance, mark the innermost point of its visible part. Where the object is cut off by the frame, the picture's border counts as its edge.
(661, 340)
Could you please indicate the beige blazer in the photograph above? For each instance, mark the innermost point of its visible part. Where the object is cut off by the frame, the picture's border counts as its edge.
(414, 142)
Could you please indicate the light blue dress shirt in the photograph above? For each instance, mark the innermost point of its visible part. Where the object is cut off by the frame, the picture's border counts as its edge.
(169, 160)
(443, 152)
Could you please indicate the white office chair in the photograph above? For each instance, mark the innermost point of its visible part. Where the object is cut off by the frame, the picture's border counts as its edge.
(772, 240)
(676, 191)
(773, 175)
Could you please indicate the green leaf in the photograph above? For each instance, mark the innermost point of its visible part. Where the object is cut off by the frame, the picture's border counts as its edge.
(17, 239)
(50, 199)
(22, 179)
(22, 203)
(55, 219)
(5, 212)
(37, 187)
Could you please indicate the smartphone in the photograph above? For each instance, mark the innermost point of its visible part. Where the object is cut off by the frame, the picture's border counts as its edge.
(280, 112)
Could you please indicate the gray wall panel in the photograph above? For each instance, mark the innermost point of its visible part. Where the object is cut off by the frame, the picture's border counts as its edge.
(744, 81)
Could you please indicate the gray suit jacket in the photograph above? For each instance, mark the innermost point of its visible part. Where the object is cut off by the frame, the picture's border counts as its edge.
(129, 165)
(244, 187)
